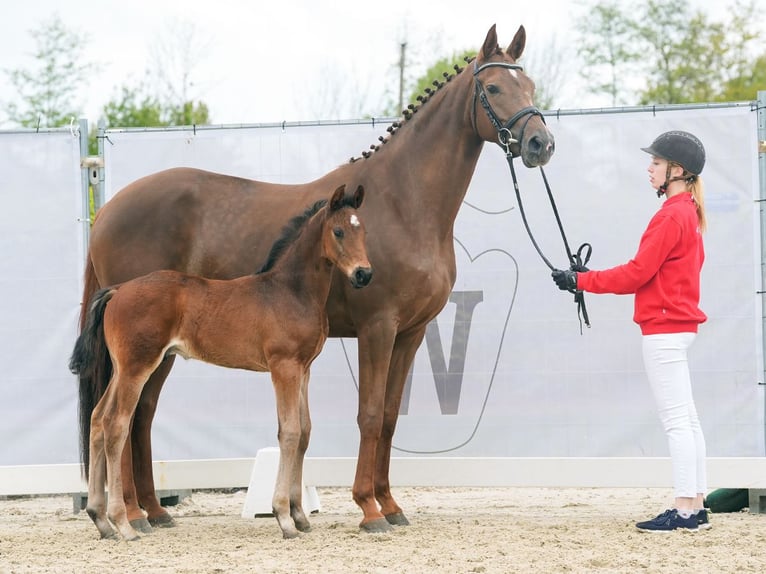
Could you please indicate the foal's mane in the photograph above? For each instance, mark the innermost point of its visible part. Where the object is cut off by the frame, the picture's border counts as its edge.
(289, 233)
(292, 230)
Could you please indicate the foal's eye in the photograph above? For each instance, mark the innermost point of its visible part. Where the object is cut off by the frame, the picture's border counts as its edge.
(338, 232)
(493, 89)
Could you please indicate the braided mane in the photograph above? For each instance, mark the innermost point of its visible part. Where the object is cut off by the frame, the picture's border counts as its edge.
(412, 109)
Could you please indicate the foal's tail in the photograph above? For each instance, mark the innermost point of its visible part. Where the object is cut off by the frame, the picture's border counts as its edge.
(91, 362)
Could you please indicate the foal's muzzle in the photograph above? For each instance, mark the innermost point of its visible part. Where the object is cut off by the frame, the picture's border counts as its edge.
(361, 277)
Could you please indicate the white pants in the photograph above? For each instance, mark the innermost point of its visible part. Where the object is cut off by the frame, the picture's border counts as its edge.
(667, 368)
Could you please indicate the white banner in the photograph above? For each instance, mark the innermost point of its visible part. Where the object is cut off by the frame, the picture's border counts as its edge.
(41, 262)
(504, 370)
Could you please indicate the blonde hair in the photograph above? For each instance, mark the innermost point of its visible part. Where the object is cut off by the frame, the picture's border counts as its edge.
(697, 188)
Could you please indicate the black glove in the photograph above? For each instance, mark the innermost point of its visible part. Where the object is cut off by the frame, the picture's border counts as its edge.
(566, 280)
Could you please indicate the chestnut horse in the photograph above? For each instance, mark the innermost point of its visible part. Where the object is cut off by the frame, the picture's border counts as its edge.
(272, 321)
(416, 178)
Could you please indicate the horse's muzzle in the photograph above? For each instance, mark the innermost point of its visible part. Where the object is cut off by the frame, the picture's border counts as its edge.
(361, 277)
(538, 149)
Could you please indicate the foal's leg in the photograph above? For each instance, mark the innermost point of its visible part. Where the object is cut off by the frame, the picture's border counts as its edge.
(136, 516)
(403, 355)
(122, 396)
(296, 487)
(286, 377)
(96, 508)
(141, 441)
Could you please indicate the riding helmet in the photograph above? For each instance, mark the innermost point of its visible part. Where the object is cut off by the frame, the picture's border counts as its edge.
(680, 147)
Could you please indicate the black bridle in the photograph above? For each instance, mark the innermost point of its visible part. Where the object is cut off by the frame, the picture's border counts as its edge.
(577, 261)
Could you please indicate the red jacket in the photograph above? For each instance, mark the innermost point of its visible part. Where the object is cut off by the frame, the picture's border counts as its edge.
(664, 274)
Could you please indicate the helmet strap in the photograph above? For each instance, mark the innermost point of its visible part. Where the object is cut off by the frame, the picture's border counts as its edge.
(664, 187)
(685, 176)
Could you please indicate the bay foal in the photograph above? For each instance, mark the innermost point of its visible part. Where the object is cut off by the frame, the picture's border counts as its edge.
(274, 320)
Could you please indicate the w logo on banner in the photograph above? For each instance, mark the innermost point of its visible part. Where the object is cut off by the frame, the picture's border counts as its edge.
(448, 378)
(449, 384)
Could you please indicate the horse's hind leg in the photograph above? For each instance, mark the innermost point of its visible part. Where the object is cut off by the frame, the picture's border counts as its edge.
(96, 508)
(136, 515)
(141, 442)
(122, 397)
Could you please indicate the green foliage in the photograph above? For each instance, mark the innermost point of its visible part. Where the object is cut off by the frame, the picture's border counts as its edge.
(436, 73)
(133, 108)
(681, 56)
(47, 93)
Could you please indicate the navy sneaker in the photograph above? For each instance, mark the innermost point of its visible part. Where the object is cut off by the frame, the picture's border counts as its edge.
(668, 521)
(703, 521)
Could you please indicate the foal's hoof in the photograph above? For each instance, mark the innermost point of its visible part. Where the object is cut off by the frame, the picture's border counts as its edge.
(376, 526)
(162, 521)
(142, 525)
(397, 519)
(110, 535)
(303, 526)
(289, 534)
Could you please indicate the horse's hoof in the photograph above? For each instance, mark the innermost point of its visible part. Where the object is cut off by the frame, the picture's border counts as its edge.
(110, 535)
(289, 534)
(376, 526)
(397, 519)
(303, 527)
(142, 525)
(162, 521)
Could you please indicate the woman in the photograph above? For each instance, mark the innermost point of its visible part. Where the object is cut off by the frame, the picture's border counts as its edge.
(665, 277)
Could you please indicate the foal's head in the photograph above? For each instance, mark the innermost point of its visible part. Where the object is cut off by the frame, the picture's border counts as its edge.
(343, 237)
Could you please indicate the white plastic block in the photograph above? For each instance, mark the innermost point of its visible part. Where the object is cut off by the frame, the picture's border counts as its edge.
(260, 491)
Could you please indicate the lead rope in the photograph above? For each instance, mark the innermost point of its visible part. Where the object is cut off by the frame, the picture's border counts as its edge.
(577, 261)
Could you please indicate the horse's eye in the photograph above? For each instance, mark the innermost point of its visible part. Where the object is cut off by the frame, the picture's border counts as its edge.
(493, 89)
(338, 232)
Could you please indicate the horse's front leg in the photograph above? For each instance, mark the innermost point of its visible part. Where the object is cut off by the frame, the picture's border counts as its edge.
(287, 377)
(402, 356)
(375, 343)
(296, 487)
(141, 443)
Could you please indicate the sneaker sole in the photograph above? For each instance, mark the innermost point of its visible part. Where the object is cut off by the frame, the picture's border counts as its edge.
(681, 529)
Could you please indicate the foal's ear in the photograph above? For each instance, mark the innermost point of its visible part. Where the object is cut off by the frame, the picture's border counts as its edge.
(358, 197)
(516, 47)
(337, 198)
(490, 44)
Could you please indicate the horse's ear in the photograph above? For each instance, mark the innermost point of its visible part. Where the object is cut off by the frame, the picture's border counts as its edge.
(337, 198)
(358, 197)
(516, 47)
(490, 44)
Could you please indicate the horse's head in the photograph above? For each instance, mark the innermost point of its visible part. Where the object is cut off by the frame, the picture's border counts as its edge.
(343, 237)
(506, 93)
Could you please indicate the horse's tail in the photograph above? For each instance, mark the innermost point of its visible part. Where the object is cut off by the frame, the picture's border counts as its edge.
(90, 359)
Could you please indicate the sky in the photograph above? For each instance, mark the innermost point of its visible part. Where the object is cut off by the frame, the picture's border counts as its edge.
(291, 60)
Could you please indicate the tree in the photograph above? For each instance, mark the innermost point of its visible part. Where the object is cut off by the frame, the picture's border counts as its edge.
(606, 49)
(48, 92)
(686, 51)
(175, 55)
(134, 107)
(684, 56)
(549, 72)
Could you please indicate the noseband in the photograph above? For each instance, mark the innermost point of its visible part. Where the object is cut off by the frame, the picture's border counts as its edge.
(504, 135)
(505, 138)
